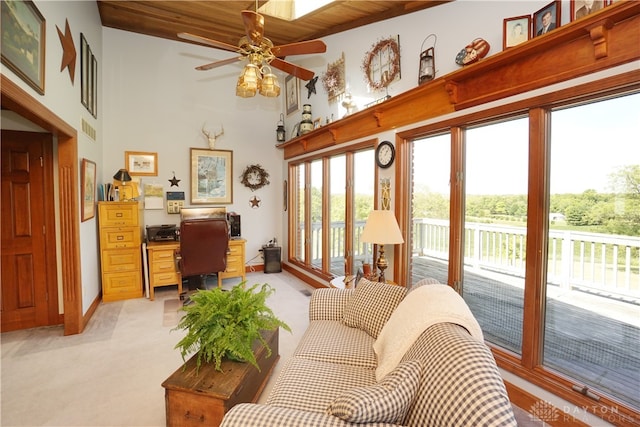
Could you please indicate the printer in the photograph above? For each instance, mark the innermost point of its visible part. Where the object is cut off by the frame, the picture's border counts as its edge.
(162, 233)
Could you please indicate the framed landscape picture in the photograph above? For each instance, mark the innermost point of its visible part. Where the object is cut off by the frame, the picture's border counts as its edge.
(88, 189)
(141, 163)
(292, 94)
(23, 42)
(211, 176)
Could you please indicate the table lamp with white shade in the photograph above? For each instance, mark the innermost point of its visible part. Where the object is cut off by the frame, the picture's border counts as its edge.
(382, 229)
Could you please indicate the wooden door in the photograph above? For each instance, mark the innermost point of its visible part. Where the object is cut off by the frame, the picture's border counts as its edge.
(26, 289)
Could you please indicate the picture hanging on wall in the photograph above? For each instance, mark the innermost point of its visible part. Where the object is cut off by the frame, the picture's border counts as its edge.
(23, 52)
(292, 94)
(88, 77)
(88, 189)
(211, 176)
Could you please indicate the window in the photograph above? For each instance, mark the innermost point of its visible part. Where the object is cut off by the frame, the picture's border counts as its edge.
(430, 208)
(592, 318)
(495, 228)
(338, 201)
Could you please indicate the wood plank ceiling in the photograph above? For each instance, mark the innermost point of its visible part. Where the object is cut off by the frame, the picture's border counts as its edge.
(221, 20)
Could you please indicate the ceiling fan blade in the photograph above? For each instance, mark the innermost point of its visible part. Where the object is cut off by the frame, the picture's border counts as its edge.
(218, 64)
(299, 48)
(209, 42)
(288, 67)
(253, 25)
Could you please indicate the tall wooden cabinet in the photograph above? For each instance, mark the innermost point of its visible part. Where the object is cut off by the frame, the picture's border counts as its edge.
(121, 225)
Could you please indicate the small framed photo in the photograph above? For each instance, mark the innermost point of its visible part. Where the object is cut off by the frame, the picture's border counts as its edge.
(23, 42)
(88, 189)
(292, 94)
(515, 31)
(141, 163)
(211, 176)
(547, 19)
(581, 8)
(317, 123)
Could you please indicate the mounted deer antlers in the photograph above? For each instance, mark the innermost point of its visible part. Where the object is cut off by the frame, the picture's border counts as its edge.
(211, 138)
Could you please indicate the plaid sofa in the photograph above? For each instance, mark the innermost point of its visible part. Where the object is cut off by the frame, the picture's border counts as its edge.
(447, 377)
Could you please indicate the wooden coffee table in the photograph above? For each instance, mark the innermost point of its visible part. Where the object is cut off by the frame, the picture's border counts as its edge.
(203, 399)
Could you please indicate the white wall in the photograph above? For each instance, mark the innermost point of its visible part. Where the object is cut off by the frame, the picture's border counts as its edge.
(63, 98)
(157, 102)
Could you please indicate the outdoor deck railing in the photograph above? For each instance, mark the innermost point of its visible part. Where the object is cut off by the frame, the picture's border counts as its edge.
(600, 262)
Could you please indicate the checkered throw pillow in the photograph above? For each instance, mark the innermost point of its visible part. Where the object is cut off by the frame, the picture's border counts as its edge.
(371, 306)
(386, 402)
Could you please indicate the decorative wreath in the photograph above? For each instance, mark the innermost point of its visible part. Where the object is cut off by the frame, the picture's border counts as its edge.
(394, 67)
(333, 80)
(254, 177)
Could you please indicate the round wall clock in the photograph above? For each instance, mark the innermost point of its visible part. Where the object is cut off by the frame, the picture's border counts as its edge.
(385, 154)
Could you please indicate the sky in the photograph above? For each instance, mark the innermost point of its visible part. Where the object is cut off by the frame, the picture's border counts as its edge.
(588, 143)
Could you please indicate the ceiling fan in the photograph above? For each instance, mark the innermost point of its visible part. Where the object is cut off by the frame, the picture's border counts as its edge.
(261, 53)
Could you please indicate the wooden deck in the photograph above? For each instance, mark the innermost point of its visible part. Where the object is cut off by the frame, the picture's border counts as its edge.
(588, 346)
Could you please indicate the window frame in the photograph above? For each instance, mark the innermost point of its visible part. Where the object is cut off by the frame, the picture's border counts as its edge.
(324, 274)
(538, 108)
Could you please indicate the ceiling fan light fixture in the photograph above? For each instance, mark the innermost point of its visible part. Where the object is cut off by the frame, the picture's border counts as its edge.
(249, 82)
(270, 86)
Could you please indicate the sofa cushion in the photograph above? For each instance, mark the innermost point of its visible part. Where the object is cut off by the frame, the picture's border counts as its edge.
(332, 341)
(387, 402)
(422, 307)
(310, 385)
(371, 306)
(460, 384)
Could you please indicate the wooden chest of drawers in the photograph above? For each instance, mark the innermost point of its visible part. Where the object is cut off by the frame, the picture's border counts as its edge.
(235, 261)
(120, 240)
(162, 266)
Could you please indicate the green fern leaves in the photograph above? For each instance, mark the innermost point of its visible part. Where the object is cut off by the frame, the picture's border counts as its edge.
(227, 323)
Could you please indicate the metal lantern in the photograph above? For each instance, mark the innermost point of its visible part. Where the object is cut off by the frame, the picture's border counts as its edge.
(427, 70)
(280, 132)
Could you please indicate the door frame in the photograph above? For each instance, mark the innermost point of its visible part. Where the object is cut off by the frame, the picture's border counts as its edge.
(17, 100)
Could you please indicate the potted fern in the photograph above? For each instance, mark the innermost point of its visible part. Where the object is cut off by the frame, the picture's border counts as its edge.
(223, 324)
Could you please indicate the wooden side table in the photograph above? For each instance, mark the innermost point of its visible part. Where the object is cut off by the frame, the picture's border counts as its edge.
(203, 399)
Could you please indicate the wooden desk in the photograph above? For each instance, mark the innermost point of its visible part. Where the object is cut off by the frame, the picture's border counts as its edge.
(203, 399)
(162, 266)
(235, 261)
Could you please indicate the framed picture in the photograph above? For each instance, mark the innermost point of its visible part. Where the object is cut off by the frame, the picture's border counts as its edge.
(141, 163)
(547, 18)
(88, 77)
(582, 8)
(211, 176)
(88, 189)
(292, 94)
(515, 31)
(317, 123)
(84, 71)
(23, 51)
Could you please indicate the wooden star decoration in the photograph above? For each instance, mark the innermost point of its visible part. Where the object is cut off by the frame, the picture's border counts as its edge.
(254, 202)
(68, 50)
(174, 181)
(311, 86)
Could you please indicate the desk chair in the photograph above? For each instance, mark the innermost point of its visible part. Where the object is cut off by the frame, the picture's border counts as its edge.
(203, 247)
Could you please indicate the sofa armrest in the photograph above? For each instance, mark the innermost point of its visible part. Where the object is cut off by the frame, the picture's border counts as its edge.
(257, 415)
(329, 303)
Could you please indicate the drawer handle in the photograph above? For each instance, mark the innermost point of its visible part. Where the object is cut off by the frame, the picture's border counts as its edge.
(194, 417)
(120, 238)
(119, 214)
